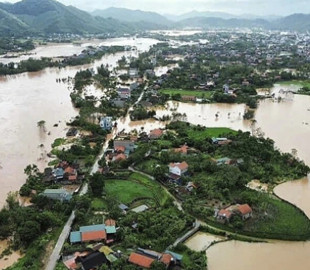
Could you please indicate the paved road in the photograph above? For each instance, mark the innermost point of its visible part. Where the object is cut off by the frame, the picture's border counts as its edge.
(67, 228)
(61, 240)
(188, 234)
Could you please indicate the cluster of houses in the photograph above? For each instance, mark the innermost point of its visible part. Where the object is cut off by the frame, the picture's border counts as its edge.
(243, 210)
(63, 173)
(145, 257)
(94, 257)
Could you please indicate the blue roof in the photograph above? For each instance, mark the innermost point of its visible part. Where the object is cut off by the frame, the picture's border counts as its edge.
(110, 229)
(75, 237)
(93, 228)
(177, 256)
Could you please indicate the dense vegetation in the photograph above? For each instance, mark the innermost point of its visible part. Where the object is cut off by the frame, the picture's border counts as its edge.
(221, 185)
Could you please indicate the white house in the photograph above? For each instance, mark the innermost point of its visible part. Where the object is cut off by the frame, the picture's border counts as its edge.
(178, 168)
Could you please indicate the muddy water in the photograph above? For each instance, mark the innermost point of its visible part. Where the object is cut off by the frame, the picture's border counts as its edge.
(228, 115)
(28, 98)
(8, 260)
(201, 241)
(234, 255)
(286, 123)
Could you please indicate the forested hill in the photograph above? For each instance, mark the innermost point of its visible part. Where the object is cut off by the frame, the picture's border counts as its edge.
(49, 16)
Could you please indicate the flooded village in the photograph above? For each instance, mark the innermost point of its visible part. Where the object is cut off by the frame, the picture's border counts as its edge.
(147, 145)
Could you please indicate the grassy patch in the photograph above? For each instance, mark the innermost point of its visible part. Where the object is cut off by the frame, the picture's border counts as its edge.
(297, 83)
(196, 93)
(158, 193)
(208, 132)
(147, 166)
(283, 220)
(98, 204)
(126, 191)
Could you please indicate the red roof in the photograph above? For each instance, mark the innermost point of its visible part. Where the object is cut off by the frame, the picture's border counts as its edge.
(166, 259)
(93, 236)
(156, 133)
(182, 166)
(224, 213)
(110, 222)
(70, 170)
(119, 157)
(182, 149)
(244, 209)
(140, 260)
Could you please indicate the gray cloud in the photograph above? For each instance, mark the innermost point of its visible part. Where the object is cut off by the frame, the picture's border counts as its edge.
(258, 7)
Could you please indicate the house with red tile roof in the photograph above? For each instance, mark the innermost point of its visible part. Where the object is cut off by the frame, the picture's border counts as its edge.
(245, 211)
(166, 259)
(224, 215)
(140, 260)
(182, 150)
(178, 168)
(155, 134)
(93, 236)
(119, 158)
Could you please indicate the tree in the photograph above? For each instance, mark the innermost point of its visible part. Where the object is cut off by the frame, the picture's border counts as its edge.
(156, 265)
(96, 183)
(159, 173)
(28, 231)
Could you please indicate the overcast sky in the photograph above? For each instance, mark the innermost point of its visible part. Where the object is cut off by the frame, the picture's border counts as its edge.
(257, 7)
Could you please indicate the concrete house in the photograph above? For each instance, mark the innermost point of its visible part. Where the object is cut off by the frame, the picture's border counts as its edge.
(127, 144)
(124, 93)
(106, 123)
(178, 168)
(133, 72)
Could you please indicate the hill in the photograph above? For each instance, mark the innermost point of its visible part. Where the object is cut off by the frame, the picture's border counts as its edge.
(128, 15)
(11, 25)
(207, 23)
(295, 22)
(49, 16)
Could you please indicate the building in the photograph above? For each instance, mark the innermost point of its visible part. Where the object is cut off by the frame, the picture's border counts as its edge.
(92, 261)
(224, 215)
(140, 260)
(155, 134)
(106, 123)
(127, 144)
(58, 173)
(182, 150)
(57, 194)
(124, 93)
(245, 211)
(94, 233)
(178, 168)
(133, 73)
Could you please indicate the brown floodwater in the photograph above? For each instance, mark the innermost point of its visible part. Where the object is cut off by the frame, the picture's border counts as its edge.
(235, 255)
(8, 260)
(26, 99)
(286, 123)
